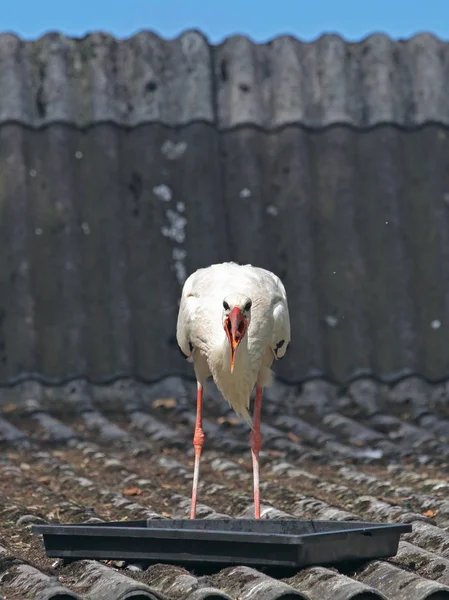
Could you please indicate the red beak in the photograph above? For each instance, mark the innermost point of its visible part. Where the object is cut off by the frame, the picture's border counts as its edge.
(235, 327)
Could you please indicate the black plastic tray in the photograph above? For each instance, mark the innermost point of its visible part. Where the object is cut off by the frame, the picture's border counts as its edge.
(278, 543)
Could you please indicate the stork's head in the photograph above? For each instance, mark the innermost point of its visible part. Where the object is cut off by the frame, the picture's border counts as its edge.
(236, 319)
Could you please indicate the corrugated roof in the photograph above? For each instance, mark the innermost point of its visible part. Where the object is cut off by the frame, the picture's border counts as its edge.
(99, 228)
(79, 453)
(149, 79)
(125, 165)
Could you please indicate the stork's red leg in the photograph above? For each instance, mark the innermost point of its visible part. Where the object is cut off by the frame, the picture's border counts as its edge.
(198, 441)
(256, 444)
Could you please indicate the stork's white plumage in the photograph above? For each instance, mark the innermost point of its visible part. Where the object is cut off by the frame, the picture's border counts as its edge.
(233, 322)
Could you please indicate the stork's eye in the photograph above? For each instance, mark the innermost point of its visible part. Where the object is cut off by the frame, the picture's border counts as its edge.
(247, 306)
(225, 305)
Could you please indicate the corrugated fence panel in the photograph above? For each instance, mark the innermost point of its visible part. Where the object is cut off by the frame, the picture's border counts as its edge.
(151, 283)
(424, 225)
(290, 227)
(174, 222)
(149, 79)
(341, 270)
(100, 227)
(97, 158)
(55, 253)
(18, 328)
(388, 264)
(99, 78)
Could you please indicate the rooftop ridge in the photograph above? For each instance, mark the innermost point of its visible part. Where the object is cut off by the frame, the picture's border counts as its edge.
(330, 34)
(145, 77)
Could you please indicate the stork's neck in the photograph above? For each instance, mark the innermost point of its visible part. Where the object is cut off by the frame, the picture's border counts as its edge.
(236, 387)
(241, 358)
(219, 357)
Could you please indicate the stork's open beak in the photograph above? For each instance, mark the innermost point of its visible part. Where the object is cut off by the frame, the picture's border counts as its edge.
(235, 326)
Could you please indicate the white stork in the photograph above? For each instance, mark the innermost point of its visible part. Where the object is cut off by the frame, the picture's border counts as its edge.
(233, 322)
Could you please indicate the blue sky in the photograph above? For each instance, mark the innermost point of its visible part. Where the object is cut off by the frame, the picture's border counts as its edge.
(261, 20)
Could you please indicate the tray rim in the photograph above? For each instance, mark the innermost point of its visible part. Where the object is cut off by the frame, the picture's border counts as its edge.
(172, 558)
(129, 531)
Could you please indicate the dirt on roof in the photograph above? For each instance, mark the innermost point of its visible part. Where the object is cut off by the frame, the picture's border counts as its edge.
(79, 454)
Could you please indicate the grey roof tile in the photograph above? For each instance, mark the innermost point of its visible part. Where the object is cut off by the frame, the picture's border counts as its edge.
(247, 582)
(176, 582)
(426, 563)
(395, 583)
(326, 584)
(24, 581)
(100, 581)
